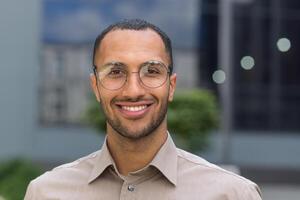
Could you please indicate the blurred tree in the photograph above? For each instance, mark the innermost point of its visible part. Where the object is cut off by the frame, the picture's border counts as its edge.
(191, 117)
(15, 175)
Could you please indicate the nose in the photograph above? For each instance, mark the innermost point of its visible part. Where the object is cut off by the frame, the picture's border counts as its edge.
(133, 88)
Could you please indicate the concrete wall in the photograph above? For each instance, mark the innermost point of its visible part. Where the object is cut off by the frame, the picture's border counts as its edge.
(19, 48)
(257, 149)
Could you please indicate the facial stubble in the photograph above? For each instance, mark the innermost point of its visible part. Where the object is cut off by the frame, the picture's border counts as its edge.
(150, 128)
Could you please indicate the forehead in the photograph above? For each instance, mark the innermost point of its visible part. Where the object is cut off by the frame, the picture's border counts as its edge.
(131, 44)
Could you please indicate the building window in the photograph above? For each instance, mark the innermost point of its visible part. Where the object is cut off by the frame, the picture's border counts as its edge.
(64, 88)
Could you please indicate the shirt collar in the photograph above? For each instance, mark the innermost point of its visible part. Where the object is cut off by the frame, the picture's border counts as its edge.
(165, 161)
(102, 161)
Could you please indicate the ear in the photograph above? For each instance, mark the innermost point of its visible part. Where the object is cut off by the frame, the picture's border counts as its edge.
(172, 86)
(93, 83)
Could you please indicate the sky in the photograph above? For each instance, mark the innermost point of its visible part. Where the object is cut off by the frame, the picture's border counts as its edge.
(79, 21)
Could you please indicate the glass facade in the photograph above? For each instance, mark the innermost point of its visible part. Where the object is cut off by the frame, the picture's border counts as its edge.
(266, 87)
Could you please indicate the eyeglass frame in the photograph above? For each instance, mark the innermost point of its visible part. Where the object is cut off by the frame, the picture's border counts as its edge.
(138, 72)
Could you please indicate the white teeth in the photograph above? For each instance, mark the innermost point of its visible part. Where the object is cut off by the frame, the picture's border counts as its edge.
(134, 108)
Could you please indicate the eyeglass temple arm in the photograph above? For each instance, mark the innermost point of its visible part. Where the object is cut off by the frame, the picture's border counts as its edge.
(94, 69)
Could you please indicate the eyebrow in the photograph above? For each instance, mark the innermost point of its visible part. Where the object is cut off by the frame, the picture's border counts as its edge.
(114, 63)
(121, 64)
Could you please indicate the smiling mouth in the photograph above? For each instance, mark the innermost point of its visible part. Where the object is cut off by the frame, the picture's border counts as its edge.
(134, 108)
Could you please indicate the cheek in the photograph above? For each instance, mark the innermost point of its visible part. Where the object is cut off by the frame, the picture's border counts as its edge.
(105, 101)
(163, 95)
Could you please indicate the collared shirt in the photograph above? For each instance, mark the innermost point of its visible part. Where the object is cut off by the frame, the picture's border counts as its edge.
(173, 174)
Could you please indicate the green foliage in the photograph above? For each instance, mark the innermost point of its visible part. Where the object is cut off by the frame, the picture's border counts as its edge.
(14, 178)
(95, 116)
(191, 116)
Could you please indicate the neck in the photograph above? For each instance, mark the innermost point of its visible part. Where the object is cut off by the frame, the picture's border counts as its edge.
(131, 155)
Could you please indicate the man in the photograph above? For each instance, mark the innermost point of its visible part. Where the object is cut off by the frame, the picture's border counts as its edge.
(133, 81)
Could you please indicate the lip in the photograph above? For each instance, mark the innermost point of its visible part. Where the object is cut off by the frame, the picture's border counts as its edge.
(128, 114)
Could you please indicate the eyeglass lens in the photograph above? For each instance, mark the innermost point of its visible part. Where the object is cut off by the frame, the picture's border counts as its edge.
(152, 74)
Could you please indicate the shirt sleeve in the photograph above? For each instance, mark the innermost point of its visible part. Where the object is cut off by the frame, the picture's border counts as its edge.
(30, 192)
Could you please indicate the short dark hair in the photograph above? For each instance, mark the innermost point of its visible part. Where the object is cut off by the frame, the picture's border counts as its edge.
(135, 24)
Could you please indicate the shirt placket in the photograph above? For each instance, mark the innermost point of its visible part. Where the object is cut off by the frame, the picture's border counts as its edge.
(132, 184)
(129, 191)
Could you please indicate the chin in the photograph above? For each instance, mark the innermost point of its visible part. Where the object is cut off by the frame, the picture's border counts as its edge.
(134, 135)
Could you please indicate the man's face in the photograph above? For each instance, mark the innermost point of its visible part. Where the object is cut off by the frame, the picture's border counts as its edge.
(133, 111)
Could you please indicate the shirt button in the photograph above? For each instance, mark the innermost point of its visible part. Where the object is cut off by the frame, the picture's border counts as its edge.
(130, 188)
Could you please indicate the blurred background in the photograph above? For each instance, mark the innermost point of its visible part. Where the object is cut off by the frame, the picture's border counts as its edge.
(244, 53)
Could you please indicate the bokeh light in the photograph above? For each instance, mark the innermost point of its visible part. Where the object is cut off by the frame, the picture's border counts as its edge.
(247, 62)
(219, 76)
(283, 44)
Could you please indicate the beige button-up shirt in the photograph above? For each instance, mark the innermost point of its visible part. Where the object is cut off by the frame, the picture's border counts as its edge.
(173, 174)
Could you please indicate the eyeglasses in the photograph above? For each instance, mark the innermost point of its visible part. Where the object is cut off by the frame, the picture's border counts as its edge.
(114, 75)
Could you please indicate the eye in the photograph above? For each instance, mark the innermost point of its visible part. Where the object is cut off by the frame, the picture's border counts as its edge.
(153, 70)
(116, 72)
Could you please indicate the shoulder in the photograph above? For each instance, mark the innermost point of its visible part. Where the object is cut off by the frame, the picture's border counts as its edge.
(75, 173)
(192, 168)
(189, 160)
(78, 168)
